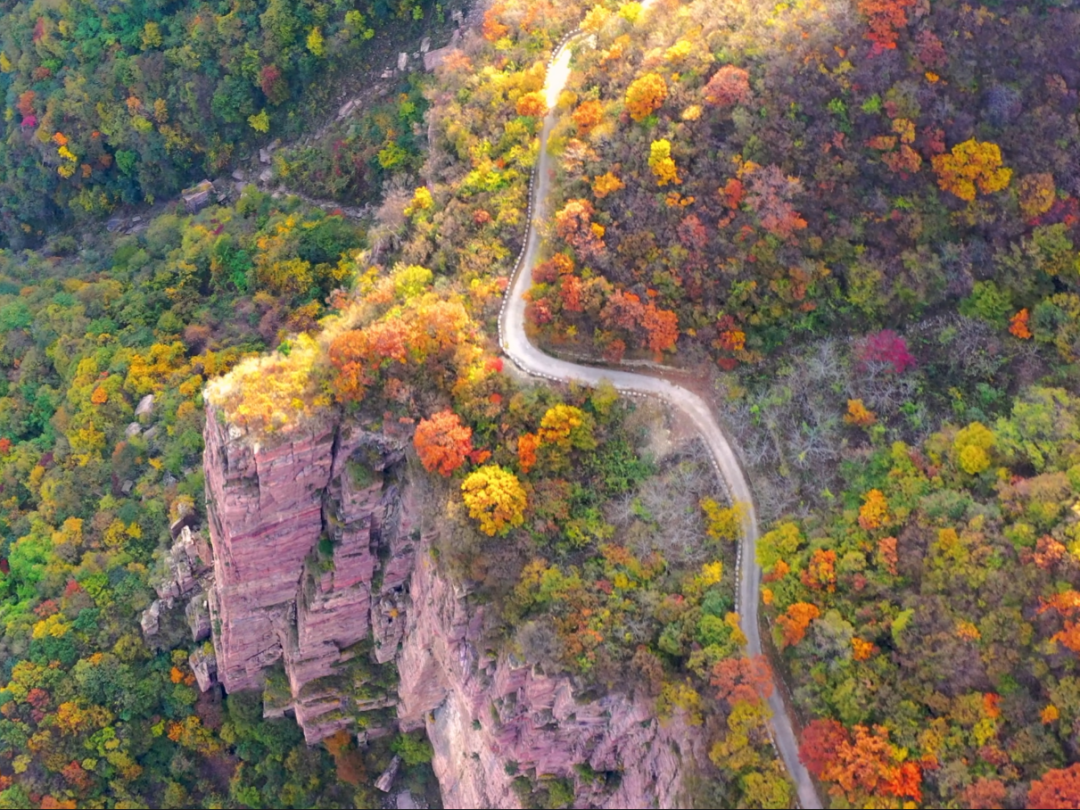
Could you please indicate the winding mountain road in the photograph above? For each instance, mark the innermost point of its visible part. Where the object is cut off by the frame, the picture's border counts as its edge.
(516, 345)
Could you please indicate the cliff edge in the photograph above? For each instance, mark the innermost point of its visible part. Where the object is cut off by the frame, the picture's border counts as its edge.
(321, 572)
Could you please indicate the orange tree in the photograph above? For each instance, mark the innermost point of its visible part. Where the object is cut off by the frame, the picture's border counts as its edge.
(442, 442)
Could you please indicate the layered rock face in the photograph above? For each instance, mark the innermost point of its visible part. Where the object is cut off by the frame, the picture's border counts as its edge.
(319, 563)
(487, 718)
(298, 530)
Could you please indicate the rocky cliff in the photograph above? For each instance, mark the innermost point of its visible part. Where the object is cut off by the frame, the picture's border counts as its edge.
(491, 721)
(311, 539)
(321, 574)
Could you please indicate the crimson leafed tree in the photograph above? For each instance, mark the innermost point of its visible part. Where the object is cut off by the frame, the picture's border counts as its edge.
(742, 679)
(273, 84)
(820, 744)
(884, 347)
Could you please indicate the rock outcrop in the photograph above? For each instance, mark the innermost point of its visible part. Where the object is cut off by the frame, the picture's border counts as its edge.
(311, 549)
(321, 577)
(489, 718)
(184, 570)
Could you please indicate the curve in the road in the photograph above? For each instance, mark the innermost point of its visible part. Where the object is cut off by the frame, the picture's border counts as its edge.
(515, 343)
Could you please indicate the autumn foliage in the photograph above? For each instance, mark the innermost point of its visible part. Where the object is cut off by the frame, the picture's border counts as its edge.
(573, 223)
(645, 96)
(662, 164)
(443, 442)
(1058, 789)
(885, 19)
(605, 184)
(1036, 194)
(495, 499)
(742, 679)
(427, 328)
(587, 116)
(729, 86)
(867, 765)
(874, 512)
(1019, 325)
(885, 347)
(971, 167)
(820, 744)
(794, 623)
(858, 414)
(528, 444)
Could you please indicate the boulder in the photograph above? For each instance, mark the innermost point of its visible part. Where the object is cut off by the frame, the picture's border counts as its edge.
(432, 59)
(185, 519)
(151, 619)
(198, 617)
(386, 778)
(198, 196)
(203, 664)
(145, 406)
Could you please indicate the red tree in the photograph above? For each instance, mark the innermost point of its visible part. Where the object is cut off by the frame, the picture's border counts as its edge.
(884, 347)
(742, 679)
(770, 198)
(729, 86)
(984, 794)
(573, 223)
(795, 621)
(570, 293)
(623, 310)
(662, 326)
(442, 442)
(885, 18)
(820, 743)
(273, 84)
(1059, 788)
(25, 104)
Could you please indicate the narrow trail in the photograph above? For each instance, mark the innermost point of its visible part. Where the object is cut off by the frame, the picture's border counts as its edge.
(515, 343)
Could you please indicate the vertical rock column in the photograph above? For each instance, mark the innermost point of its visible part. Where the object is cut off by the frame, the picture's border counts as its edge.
(302, 529)
(265, 515)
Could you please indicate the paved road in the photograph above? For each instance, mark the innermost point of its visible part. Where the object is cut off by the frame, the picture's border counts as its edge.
(530, 359)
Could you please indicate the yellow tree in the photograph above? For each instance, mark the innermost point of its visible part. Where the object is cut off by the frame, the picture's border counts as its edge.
(970, 166)
(874, 512)
(645, 96)
(972, 447)
(565, 426)
(605, 184)
(662, 164)
(495, 498)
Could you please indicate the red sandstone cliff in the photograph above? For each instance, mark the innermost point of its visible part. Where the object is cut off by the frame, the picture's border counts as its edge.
(482, 713)
(298, 529)
(318, 557)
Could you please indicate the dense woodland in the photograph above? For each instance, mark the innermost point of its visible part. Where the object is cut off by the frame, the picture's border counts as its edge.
(107, 104)
(858, 219)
